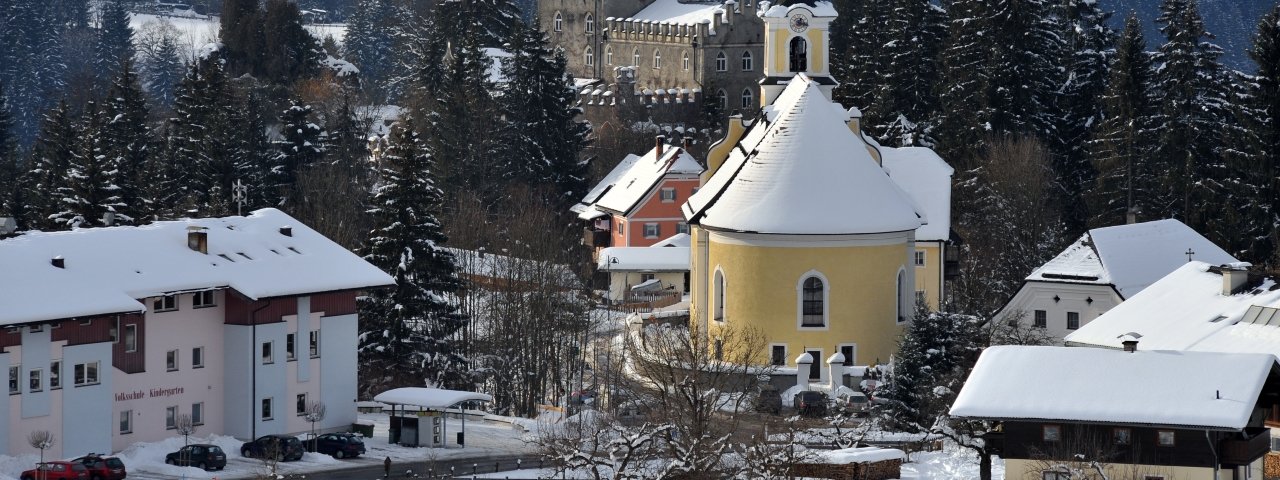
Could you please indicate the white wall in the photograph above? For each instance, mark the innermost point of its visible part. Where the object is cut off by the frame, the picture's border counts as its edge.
(339, 340)
(4, 403)
(1072, 297)
(86, 413)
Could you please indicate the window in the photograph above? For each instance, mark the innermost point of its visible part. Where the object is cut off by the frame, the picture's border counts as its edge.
(15, 387)
(267, 354)
(197, 413)
(719, 307)
(1121, 436)
(1051, 433)
(86, 373)
(747, 62)
(55, 374)
(171, 360)
(590, 57)
(635, 57)
(812, 307)
(35, 382)
(902, 288)
(919, 258)
(1042, 319)
(558, 22)
(590, 22)
(644, 277)
(314, 346)
(1073, 320)
(684, 61)
(171, 418)
(724, 99)
(115, 331)
(748, 98)
(682, 227)
(799, 54)
(87, 323)
(667, 195)
(719, 349)
(850, 351)
(652, 230)
(131, 338)
(126, 421)
(166, 303)
(35, 328)
(289, 348)
(608, 55)
(1055, 475)
(1164, 438)
(197, 357)
(302, 404)
(202, 299)
(722, 62)
(657, 59)
(778, 355)
(266, 408)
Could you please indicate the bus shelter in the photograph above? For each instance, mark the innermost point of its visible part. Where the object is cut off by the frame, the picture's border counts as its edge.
(427, 424)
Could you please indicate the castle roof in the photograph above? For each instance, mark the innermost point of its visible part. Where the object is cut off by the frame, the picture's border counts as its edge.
(674, 11)
(800, 170)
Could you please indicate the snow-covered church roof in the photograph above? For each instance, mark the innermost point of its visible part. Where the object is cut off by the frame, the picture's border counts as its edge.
(926, 178)
(633, 178)
(1130, 257)
(800, 170)
(1095, 385)
(109, 270)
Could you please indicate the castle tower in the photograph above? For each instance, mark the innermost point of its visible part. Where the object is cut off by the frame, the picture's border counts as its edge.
(796, 41)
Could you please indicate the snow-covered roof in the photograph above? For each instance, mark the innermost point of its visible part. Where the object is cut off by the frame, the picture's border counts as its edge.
(667, 259)
(845, 456)
(926, 178)
(435, 398)
(487, 264)
(1130, 257)
(634, 178)
(674, 11)
(108, 270)
(785, 7)
(1165, 388)
(802, 172)
(1186, 310)
(677, 240)
(495, 63)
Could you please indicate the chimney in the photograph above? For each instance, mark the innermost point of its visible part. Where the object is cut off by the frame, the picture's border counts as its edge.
(803, 363)
(286, 231)
(658, 141)
(1130, 341)
(59, 262)
(1234, 276)
(835, 370)
(687, 141)
(198, 239)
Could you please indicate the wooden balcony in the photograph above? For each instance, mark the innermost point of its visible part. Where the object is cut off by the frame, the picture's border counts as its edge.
(1251, 445)
(595, 238)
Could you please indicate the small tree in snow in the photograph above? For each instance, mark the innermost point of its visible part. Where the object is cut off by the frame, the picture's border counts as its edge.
(41, 439)
(314, 413)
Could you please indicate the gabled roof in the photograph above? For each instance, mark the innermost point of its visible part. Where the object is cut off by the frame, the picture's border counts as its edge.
(926, 178)
(1130, 257)
(627, 184)
(1094, 385)
(1186, 310)
(802, 171)
(657, 259)
(107, 270)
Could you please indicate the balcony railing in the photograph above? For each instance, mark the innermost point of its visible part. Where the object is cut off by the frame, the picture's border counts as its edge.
(1255, 443)
(595, 238)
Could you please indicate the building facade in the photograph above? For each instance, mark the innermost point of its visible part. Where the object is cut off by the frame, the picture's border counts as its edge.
(637, 204)
(114, 335)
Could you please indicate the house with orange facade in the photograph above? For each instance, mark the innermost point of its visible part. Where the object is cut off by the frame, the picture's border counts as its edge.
(638, 203)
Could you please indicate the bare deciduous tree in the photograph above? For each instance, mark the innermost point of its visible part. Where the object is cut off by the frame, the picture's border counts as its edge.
(42, 440)
(314, 413)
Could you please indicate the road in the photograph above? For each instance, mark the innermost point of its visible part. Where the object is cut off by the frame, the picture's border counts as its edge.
(440, 469)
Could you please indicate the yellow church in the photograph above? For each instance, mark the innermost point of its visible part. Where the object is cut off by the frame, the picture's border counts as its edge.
(804, 228)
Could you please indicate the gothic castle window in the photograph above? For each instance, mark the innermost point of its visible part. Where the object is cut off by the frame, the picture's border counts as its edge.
(747, 62)
(590, 57)
(724, 99)
(590, 22)
(635, 57)
(684, 61)
(657, 59)
(748, 98)
(608, 55)
(559, 22)
(722, 62)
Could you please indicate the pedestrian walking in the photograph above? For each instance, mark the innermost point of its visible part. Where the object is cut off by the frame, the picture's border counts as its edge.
(386, 467)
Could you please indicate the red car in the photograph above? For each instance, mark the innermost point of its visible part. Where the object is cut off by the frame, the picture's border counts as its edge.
(103, 468)
(57, 471)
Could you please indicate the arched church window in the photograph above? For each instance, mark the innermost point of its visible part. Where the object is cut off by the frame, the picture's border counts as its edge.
(812, 303)
(719, 293)
(590, 22)
(799, 55)
(558, 22)
(722, 62)
(590, 57)
(748, 98)
(748, 63)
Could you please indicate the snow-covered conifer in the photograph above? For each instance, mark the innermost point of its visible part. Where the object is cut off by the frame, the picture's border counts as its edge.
(370, 44)
(128, 144)
(54, 149)
(301, 145)
(115, 40)
(88, 191)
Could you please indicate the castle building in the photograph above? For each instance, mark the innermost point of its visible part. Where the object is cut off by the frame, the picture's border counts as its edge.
(801, 229)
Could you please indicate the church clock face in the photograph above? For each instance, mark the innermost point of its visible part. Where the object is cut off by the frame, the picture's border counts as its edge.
(799, 23)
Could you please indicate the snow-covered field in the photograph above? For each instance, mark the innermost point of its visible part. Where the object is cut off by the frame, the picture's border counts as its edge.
(146, 460)
(194, 32)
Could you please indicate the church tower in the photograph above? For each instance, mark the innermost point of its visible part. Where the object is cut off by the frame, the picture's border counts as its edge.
(796, 41)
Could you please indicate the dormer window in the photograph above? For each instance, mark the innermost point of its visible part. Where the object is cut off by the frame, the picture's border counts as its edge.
(799, 55)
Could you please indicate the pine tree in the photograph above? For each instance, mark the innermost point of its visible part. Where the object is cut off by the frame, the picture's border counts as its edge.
(905, 101)
(1262, 171)
(410, 334)
(302, 145)
(934, 349)
(115, 40)
(459, 129)
(162, 72)
(1088, 46)
(1192, 115)
(290, 52)
(128, 144)
(369, 44)
(203, 140)
(241, 33)
(544, 139)
(1121, 141)
(858, 35)
(962, 90)
(88, 191)
(13, 198)
(486, 22)
(52, 157)
(32, 63)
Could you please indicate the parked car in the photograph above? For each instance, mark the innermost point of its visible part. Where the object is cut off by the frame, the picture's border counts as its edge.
(855, 403)
(282, 447)
(102, 468)
(811, 403)
(769, 400)
(340, 445)
(200, 455)
(58, 470)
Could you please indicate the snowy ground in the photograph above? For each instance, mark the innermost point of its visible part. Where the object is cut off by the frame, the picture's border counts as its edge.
(195, 32)
(146, 460)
